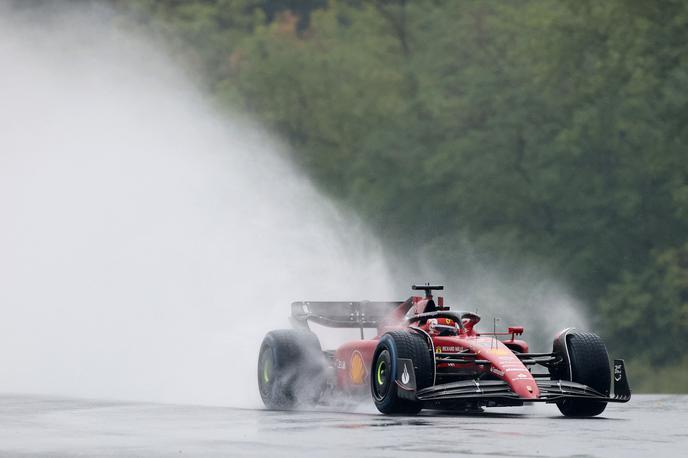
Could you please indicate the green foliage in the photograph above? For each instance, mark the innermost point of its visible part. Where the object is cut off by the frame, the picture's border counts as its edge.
(480, 132)
(648, 377)
(650, 307)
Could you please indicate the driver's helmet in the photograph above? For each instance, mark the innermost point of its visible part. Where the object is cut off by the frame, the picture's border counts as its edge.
(442, 327)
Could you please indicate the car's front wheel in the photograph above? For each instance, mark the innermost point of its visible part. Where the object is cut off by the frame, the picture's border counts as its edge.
(590, 366)
(394, 346)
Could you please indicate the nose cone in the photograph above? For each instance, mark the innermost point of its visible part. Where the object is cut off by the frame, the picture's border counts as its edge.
(526, 388)
(509, 368)
(504, 364)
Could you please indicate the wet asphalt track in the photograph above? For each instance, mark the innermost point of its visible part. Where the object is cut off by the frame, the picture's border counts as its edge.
(649, 426)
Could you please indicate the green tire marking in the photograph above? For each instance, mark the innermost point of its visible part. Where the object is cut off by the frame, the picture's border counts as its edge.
(266, 372)
(380, 365)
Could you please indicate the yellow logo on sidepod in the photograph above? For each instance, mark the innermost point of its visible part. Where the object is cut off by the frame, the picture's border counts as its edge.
(357, 371)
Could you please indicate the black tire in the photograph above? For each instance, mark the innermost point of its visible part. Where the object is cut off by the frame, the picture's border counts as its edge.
(383, 374)
(291, 369)
(589, 366)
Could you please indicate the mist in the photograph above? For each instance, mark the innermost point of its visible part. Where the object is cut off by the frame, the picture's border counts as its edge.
(527, 297)
(148, 242)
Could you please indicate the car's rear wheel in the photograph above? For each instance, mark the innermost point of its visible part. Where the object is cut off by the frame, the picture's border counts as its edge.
(589, 366)
(395, 345)
(291, 369)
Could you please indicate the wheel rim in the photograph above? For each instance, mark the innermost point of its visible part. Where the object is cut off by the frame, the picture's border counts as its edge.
(382, 380)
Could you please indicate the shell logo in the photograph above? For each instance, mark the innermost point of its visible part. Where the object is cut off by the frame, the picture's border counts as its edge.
(357, 370)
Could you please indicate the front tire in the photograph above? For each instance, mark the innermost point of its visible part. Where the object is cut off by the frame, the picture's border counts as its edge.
(392, 346)
(291, 369)
(589, 366)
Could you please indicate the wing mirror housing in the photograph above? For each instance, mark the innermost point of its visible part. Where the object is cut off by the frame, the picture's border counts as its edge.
(515, 331)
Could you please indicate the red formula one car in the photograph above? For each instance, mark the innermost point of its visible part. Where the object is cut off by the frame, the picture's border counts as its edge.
(428, 356)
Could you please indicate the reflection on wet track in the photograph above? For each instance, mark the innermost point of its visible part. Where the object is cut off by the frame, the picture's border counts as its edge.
(31, 425)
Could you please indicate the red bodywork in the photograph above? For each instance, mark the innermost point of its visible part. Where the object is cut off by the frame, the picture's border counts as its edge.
(446, 363)
(353, 360)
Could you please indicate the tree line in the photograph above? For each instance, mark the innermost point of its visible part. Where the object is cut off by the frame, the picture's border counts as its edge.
(547, 132)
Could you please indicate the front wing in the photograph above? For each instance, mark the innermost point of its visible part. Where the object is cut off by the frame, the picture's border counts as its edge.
(499, 391)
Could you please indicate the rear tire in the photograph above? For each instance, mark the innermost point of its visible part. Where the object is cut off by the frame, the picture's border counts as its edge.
(291, 369)
(383, 375)
(589, 366)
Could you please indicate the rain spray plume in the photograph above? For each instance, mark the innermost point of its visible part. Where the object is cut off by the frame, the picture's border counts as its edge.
(147, 243)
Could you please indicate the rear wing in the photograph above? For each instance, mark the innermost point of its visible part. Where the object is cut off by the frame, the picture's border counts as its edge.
(363, 314)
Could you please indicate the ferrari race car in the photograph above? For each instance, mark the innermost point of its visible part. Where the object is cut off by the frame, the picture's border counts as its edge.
(428, 356)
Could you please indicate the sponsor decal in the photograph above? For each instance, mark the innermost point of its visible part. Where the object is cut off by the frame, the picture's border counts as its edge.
(618, 373)
(448, 349)
(500, 351)
(340, 364)
(357, 368)
(521, 375)
(405, 377)
(496, 371)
